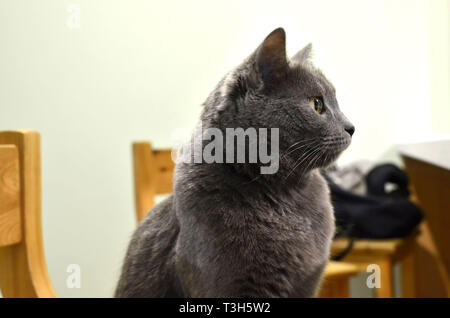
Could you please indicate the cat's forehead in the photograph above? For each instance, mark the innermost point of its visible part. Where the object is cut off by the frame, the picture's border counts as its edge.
(311, 80)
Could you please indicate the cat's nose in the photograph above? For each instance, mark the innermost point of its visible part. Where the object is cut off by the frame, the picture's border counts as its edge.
(350, 130)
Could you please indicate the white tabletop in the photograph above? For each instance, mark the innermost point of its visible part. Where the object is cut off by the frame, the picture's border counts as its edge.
(435, 152)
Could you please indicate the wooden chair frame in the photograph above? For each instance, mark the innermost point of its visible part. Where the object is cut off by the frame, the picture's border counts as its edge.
(153, 173)
(23, 271)
(384, 253)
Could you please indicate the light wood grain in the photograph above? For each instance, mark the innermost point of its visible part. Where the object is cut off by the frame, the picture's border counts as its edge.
(164, 167)
(10, 227)
(23, 272)
(335, 283)
(367, 247)
(153, 173)
(386, 289)
(340, 269)
(144, 182)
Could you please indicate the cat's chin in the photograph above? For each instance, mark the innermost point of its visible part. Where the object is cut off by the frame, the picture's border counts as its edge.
(330, 159)
(332, 154)
(334, 149)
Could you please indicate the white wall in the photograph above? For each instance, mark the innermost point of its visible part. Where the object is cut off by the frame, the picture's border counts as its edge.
(141, 69)
(439, 50)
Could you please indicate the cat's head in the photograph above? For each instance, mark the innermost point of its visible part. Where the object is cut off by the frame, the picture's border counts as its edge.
(269, 90)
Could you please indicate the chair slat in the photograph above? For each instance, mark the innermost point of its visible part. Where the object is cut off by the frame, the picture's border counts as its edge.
(10, 226)
(165, 166)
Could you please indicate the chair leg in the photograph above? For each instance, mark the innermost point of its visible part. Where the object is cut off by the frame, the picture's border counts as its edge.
(385, 290)
(335, 288)
(342, 288)
(408, 276)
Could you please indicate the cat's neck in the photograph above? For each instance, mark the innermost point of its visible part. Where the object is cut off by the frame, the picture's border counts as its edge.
(249, 176)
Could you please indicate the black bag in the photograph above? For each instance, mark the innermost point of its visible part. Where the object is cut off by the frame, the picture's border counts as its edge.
(379, 215)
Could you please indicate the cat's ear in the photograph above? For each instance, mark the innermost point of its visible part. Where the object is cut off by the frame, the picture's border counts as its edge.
(270, 60)
(303, 55)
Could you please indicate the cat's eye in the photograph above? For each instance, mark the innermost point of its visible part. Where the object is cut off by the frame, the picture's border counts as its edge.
(317, 103)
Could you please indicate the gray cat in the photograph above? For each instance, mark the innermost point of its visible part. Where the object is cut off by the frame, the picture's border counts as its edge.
(228, 230)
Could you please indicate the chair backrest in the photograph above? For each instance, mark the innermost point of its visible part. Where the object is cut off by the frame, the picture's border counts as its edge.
(153, 172)
(23, 272)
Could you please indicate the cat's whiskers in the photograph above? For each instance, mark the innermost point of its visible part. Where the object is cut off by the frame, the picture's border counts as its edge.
(317, 156)
(302, 141)
(300, 144)
(312, 158)
(297, 148)
(303, 157)
(309, 142)
(304, 154)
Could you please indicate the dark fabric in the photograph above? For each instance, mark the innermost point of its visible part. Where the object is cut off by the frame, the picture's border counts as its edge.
(377, 178)
(375, 217)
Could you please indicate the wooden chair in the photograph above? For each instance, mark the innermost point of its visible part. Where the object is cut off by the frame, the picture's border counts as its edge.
(385, 254)
(153, 173)
(23, 272)
(335, 283)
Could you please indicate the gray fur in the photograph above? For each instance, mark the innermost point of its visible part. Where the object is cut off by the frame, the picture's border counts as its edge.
(303, 55)
(228, 231)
